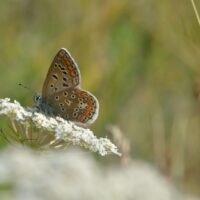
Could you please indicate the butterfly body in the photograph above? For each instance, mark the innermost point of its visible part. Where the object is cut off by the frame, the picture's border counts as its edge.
(62, 95)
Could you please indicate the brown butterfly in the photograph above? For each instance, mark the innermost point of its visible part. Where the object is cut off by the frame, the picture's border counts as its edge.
(62, 95)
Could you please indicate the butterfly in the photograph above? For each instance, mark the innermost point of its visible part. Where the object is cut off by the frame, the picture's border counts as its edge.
(62, 94)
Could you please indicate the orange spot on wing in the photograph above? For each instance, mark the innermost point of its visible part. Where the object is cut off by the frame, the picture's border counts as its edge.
(85, 115)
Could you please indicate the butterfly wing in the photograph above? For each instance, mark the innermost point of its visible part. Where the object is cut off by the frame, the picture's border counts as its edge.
(75, 105)
(63, 74)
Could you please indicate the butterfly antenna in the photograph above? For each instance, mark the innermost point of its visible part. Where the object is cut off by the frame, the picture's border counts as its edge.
(29, 89)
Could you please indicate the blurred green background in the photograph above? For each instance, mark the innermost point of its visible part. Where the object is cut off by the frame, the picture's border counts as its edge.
(139, 58)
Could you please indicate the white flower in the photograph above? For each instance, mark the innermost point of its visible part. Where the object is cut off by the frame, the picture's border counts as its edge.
(40, 131)
(25, 174)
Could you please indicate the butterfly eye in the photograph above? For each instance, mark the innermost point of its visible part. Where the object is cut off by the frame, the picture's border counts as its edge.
(56, 65)
(37, 98)
(80, 99)
(51, 85)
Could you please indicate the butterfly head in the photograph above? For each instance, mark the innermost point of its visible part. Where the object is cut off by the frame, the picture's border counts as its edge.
(38, 100)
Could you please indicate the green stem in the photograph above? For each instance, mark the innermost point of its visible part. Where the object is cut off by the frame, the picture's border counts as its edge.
(195, 10)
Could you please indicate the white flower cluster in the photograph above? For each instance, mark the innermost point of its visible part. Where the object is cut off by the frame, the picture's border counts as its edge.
(63, 131)
(27, 174)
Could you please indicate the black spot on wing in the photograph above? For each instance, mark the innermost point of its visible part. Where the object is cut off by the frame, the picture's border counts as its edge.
(55, 77)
